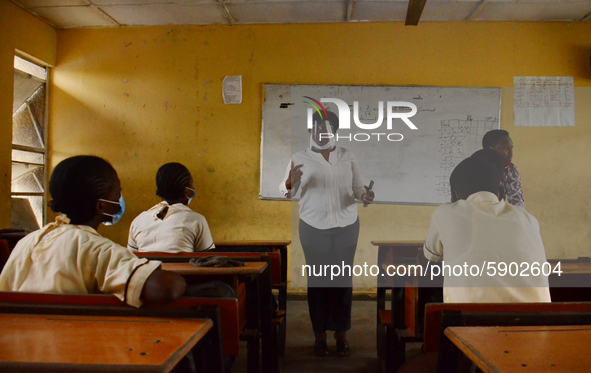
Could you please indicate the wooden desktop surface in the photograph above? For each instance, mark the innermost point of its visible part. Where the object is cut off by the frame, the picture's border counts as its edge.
(252, 243)
(572, 267)
(417, 243)
(52, 343)
(536, 349)
(249, 268)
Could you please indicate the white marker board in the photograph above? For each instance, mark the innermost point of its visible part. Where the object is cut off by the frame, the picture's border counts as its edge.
(414, 170)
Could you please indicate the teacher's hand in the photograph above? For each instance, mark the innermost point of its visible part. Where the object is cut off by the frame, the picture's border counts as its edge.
(295, 175)
(367, 197)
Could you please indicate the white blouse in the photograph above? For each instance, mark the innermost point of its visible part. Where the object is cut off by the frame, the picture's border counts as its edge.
(75, 259)
(327, 190)
(181, 230)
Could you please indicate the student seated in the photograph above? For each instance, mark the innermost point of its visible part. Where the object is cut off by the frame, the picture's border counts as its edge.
(171, 226)
(477, 232)
(69, 256)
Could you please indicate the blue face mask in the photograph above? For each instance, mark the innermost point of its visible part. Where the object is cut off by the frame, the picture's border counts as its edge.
(117, 216)
(193, 196)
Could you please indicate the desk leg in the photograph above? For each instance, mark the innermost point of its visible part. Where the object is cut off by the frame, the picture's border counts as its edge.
(283, 291)
(269, 349)
(397, 348)
(448, 355)
(252, 323)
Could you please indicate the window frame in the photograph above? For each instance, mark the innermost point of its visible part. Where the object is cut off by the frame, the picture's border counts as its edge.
(44, 136)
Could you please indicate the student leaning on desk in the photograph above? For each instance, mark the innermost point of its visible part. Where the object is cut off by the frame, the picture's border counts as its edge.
(478, 231)
(70, 256)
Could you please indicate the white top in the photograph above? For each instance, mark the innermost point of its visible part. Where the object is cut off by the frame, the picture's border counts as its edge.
(181, 230)
(75, 259)
(327, 190)
(480, 231)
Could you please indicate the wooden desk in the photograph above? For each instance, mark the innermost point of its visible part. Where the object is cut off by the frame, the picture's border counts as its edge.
(392, 324)
(404, 320)
(571, 267)
(395, 252)
(259, 313)
(537, 349)
(279, 246)
(48, 343)
(187, 269)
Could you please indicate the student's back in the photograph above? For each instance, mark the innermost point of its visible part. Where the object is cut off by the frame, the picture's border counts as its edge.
(179, 230)
(171, 226)
(486, 244)
(488, 234)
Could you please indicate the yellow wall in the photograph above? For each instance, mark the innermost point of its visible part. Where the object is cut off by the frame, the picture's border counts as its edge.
(144, 96)
(22, 32)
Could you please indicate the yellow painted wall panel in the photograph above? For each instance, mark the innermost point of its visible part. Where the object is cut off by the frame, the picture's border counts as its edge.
(144, 96)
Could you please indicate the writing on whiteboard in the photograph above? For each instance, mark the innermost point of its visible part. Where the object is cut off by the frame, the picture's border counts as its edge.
(458, 139)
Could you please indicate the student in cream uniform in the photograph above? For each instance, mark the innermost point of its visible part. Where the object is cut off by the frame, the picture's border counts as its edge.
(478, 229)
(69, 256)
(171, 226)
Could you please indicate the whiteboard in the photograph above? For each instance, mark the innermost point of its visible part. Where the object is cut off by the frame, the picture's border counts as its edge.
(409, 166)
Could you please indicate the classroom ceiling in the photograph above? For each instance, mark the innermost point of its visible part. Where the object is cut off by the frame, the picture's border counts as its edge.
(113, 13)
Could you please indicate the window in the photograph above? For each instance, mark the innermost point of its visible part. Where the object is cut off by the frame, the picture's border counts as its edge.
(28, 146)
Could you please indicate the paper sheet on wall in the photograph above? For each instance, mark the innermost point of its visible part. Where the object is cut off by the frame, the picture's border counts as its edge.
(232, 89)
(544, 101)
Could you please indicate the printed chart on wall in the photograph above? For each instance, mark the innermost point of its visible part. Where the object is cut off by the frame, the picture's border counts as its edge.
(408, 166)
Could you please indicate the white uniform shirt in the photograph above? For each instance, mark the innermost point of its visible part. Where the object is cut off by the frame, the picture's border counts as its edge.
(481, 231)
(327, 190)
(75, 259)
(181, 230)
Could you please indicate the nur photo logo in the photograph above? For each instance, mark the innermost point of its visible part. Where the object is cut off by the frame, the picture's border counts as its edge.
(394, 110)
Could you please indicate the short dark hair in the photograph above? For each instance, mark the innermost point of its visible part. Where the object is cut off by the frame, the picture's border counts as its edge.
(491, 138)
(76, 184)
(331, 117)
(171, 180)
(475, 174)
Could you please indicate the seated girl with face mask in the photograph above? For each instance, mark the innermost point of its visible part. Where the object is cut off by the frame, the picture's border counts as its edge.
(69, 256)
(171, 226)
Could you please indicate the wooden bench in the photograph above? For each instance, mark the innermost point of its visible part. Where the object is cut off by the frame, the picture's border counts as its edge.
(229, 321)
(439, 316)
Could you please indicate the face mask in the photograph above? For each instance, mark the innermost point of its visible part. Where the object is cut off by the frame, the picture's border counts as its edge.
(117, 216)
(327, 135)
(193, 196)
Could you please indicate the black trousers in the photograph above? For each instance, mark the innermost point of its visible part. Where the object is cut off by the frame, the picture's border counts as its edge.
(329, 300)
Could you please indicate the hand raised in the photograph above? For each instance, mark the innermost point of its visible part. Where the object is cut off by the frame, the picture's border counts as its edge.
(295, 175)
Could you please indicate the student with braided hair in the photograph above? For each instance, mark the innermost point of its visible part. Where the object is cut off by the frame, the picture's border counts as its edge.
(70, 256)
(171, 226)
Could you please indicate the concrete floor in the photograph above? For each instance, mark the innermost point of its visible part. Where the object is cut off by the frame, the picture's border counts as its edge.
(299, 354)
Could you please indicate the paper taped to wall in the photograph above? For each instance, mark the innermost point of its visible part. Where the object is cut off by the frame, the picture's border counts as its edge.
(232, 89)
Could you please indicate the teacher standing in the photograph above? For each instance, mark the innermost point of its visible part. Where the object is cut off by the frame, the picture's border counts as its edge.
(328, 181)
